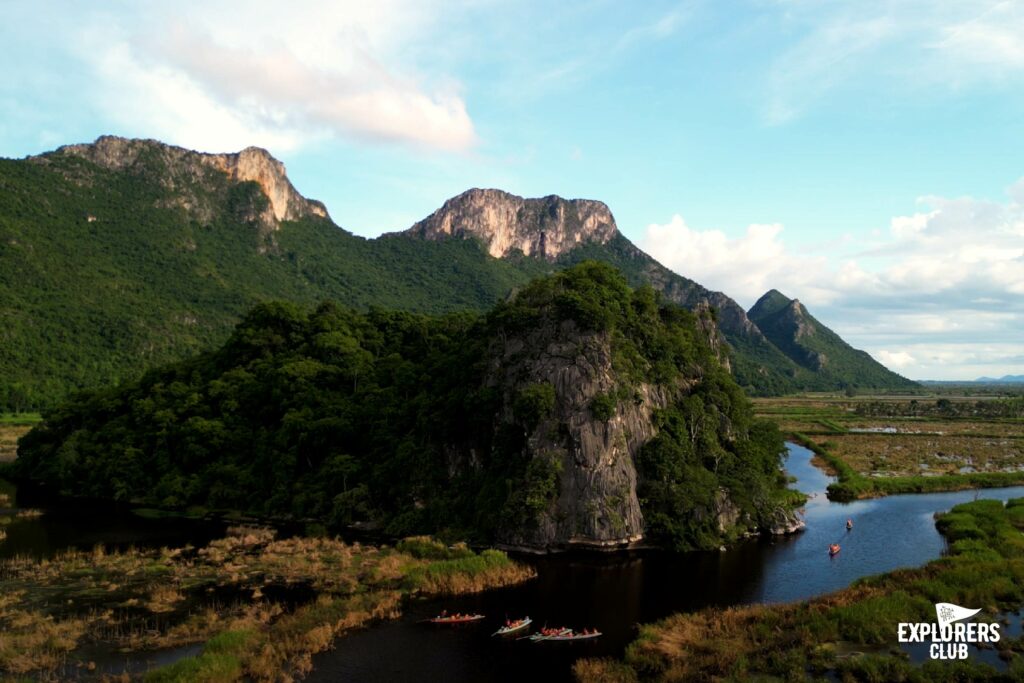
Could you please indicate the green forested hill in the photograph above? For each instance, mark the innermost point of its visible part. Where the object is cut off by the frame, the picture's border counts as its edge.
(816, 348)
(121, 255)
(476, 424)
(758, 366)
(102, 275)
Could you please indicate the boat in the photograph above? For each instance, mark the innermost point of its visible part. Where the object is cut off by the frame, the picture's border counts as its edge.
(548, 633)
(447, 619)
(572, 635)
(833, 550)
(849, 525)
(513, 626)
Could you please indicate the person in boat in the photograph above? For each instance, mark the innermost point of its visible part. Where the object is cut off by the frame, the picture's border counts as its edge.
(834, 548)
(849, 524)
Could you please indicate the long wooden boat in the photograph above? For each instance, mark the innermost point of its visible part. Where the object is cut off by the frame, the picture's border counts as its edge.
(514, 627)
(574, 636)
(446, 619)
(537, 637)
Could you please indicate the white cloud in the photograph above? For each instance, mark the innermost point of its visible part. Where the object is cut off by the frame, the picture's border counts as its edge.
(896, 359)
(907, 46)
(951, 277)
(828, 55)
(278, 76)
(991, 39)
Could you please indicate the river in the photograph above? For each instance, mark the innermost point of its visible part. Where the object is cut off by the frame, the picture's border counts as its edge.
(614, 593)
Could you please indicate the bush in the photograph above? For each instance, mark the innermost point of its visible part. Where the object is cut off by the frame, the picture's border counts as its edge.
(602, 407)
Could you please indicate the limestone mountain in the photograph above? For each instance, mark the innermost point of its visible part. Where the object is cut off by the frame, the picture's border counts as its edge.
(565, 232)
(579, 412)
(544, 228)
(186, 174)
(120, 255)
(805, 340)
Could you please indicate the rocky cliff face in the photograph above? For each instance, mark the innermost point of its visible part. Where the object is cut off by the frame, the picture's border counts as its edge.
(546, 228)
(185, 174)
(790, 327)
(812, 345)
(595, 503)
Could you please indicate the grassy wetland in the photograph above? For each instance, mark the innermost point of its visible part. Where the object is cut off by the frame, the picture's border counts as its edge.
(12, 427)
(261, 606)
(849, 635)
(881, 445)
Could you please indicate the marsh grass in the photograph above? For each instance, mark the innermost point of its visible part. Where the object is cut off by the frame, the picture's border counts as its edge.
(10, 432)
(153, 599)
(933, 450)
(853, 485)
(850, 634)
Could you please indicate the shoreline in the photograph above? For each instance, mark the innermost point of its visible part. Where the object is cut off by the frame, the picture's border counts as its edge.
(852, 485)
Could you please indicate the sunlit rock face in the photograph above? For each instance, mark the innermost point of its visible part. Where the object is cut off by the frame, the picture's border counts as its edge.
(186, 174)
(505, 223)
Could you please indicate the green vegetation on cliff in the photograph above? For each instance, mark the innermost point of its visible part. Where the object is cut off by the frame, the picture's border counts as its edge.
(395, 418)
(104, 274)
(815, 348)
(123, 255)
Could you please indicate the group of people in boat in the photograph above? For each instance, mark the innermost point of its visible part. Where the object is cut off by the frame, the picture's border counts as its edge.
(457, 616)
(554, 631)
(512, 626)
(834, 547)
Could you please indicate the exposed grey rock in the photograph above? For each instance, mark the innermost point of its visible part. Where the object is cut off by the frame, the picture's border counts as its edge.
(785, 522)
(546, 228)
(185, 173)
(596, 504)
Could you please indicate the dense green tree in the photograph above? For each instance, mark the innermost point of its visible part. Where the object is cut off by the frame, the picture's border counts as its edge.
(347, 416)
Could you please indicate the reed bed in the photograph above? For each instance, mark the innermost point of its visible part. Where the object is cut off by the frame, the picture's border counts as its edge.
(149, 599)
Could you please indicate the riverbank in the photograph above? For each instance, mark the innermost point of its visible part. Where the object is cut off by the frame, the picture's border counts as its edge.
(850, 634)
(12, 427)
(262, 606)
(886, 445)
(852, 485)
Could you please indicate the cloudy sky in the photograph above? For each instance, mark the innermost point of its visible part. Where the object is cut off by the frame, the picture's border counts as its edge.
(865, 157)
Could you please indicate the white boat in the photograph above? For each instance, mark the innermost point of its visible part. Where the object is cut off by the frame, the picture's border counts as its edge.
(513, 627)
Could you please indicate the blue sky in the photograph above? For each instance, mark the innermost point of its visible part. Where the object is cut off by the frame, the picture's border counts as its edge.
(864, 157)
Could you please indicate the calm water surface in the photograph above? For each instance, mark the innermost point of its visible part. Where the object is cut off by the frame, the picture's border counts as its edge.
(68, 524)
(615, 593)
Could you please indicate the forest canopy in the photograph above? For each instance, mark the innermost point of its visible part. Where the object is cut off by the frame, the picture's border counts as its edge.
(346, 416)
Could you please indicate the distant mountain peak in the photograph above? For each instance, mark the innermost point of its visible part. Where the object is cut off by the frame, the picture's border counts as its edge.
(771, 302)
(182, 167)
(545, 227)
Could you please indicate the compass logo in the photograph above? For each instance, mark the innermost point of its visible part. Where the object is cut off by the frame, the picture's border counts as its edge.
(949, 635)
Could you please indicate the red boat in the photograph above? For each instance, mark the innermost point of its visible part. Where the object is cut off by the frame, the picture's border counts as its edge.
(833, 550)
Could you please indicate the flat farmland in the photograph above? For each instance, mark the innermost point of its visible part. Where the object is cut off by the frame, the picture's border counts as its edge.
(883, 444)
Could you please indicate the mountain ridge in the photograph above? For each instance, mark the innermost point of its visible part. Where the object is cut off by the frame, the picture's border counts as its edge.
(121, 254)
(543, 227)
(809, 343)
(252, 164)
